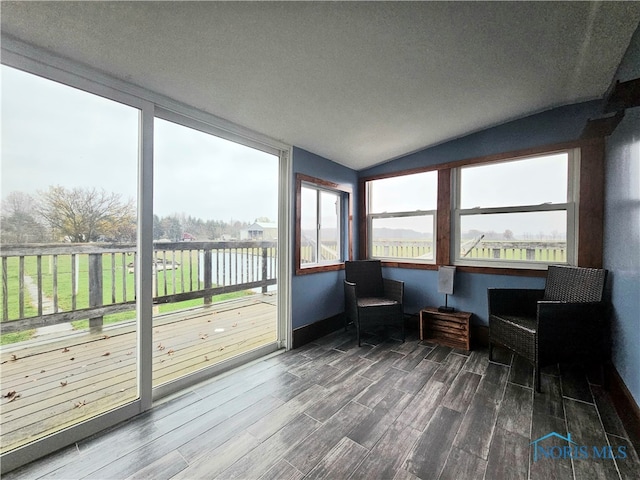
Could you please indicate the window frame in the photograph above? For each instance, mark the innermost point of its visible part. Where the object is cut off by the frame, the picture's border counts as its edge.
(399, 214)
(589, 215)
(570, 206)
(345, 218)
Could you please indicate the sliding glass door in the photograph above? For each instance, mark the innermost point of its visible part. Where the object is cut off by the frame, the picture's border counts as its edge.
(141, 250)
(69, 219)
(215, 250)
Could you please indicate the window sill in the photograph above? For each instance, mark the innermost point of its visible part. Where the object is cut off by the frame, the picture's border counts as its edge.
(320, 268)
(487, 270)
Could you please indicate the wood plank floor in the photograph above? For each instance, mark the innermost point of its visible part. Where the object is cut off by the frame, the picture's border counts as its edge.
(387, 410)
(65, 380)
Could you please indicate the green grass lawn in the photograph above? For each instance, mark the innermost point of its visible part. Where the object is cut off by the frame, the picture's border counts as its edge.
(118, 286)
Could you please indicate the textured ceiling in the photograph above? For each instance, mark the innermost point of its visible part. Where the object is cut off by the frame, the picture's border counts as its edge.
(356, 82)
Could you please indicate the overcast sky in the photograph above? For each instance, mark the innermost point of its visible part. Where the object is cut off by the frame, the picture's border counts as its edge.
(53, 134)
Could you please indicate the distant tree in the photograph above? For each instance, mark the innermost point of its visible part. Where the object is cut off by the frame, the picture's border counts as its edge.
(508, 235)
(171, 228)
(84, 215)
(213, 229)
(18, 220)
(157, 227)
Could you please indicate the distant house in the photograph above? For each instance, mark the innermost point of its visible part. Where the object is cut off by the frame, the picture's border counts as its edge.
(187, 237)
(260, 231)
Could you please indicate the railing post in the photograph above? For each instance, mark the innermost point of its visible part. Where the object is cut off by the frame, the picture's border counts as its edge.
(531, 254)
(264, 268)
(5, 290)
(95, 289)
(207, 275)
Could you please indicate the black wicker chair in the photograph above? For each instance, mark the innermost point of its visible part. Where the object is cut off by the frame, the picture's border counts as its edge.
(565, 322)
(370, 300)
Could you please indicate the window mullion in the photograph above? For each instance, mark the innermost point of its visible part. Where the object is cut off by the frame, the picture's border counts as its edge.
(318, 226)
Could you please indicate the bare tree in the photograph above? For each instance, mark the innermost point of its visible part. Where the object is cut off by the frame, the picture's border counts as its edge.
(84, 215)
(18, 221)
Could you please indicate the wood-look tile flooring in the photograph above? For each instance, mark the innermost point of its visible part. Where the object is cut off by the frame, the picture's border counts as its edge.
(386, 410)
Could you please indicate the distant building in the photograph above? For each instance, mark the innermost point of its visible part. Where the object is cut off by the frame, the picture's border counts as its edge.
(260, 231)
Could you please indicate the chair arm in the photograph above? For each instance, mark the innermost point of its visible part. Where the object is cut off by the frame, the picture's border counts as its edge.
(393, 289)
(350, 292)
(350, 301)
(552, 313)
(513, 301)
(567, 330)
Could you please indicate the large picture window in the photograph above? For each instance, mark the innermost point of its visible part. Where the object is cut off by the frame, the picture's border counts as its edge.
(516, 213)
(401, 218)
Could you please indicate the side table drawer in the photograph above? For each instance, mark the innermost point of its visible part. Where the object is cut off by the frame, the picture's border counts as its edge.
(451, 329)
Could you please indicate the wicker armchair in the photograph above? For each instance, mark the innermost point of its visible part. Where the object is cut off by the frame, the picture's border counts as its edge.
(371, 300)
(565, 322)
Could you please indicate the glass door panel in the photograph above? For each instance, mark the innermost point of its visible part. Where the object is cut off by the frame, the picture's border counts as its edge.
(215, 250)
(68, 233)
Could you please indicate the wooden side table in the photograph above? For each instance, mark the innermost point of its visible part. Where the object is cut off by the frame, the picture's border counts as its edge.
(451, 329)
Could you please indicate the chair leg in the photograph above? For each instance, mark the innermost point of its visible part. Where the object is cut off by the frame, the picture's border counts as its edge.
(536, 376)
(490, 352)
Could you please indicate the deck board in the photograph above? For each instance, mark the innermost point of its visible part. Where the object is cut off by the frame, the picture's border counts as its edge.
(65, 380)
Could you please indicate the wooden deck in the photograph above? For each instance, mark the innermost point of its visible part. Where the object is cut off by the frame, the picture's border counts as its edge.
(62, 380)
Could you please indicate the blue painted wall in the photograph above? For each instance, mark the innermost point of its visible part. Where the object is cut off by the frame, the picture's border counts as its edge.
(319, 296)
(622, 231)
(470, 290)
(562, 124)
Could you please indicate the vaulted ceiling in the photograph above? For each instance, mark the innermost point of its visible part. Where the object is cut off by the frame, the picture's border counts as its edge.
(356, 82)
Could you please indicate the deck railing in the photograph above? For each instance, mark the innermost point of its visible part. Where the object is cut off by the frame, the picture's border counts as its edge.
(50, 284)
(526, 251)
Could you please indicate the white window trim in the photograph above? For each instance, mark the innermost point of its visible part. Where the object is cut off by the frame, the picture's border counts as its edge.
(341, 225)
(571, 207)
(416, 213)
